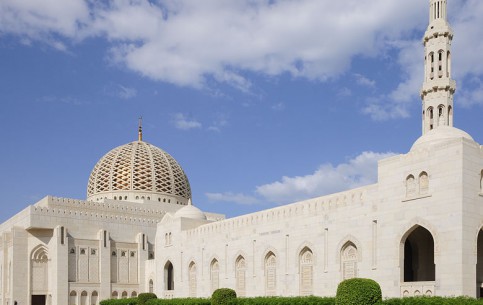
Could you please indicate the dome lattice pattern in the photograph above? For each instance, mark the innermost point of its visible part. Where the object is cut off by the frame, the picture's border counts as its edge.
(138, 166)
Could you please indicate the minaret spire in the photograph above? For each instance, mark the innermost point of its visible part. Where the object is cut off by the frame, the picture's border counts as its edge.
(438, 86)
(140, 129)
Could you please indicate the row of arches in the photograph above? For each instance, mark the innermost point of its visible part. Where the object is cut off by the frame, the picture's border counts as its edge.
(417, 187)
(349, 259)
(438, 117)
(439, 64)
(417, 265)
(84, 298)
(123, 295)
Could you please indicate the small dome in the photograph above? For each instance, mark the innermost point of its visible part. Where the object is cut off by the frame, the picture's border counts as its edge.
(440, 135)
(140, 170)
(191, 212)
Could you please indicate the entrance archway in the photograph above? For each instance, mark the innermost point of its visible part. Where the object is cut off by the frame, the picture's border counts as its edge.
(479, 265)
(419, 256)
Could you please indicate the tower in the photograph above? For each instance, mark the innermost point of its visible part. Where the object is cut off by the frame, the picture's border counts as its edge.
(438, 87)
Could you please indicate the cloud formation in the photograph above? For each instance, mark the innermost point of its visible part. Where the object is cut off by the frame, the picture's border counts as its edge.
(180, 121)
(327, 179)
(193, 43)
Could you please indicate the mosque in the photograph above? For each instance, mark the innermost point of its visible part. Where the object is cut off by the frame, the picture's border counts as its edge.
(417, 231)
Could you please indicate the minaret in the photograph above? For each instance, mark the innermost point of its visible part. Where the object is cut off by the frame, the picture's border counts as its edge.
(438, 87)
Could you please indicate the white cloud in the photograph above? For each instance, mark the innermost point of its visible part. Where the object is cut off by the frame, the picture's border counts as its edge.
(220, 122)
(188, 42)
(191, 43)
(233, 198)
(364, 81)
(180, 121)
(278, 106)
(327, 179)
(126, 92)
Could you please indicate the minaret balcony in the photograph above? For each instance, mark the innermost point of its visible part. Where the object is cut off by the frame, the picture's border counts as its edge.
(438, 84)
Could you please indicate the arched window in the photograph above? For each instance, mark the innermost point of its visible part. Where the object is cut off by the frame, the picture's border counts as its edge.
(423, 183)
(410, 186)
(349, 257)
(83, 300)
(270, 274)
(73, 298)
(215, 275)
(306, 261)
(441, 116)
(151, 286)
(192, 279)
(124, 294)
(94, 298)
(168, 276)
(450, 116)
(448, 64)
(431, 58)
(134, 294)
(240, 276)
(419, 256)
(115, 294)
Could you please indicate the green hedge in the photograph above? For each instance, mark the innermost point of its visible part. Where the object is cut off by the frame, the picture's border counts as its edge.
(433, 301)
(188, 301)
(131, 301)
(223, 296)
(358, 291)
(284, 301)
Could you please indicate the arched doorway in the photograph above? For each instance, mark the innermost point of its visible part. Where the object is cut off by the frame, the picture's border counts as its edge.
(419, 256)
(479, 265)
(39, 264)
(168, 276)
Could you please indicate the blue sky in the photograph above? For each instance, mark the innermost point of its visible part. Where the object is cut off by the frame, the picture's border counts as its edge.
(261, 102)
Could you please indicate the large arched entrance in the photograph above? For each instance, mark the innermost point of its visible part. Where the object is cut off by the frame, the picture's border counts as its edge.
(479, 265)
(419, 256)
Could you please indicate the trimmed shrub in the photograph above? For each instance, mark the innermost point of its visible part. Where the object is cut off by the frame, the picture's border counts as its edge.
(144, 297)
(358, 291)
(222, 296)
(131, 301)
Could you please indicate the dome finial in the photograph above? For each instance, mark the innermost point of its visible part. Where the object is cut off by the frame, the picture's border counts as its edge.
(140, 129)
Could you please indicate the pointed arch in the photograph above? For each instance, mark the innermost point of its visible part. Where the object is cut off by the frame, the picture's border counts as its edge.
(417, 255)
(151, 286)
(39, 269)
(192, 279)
(240, 275)
(349, 258)
(270, 263)
(168, 276)
(344, 241)
(306, 271)
(214, 274)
